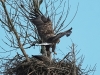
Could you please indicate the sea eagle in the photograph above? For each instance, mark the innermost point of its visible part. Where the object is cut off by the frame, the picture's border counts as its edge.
(42, 58)
(46, 32)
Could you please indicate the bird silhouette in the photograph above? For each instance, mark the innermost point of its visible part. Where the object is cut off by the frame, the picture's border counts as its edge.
(43, 58)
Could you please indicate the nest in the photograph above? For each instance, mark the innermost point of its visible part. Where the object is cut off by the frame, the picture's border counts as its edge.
(19, 66)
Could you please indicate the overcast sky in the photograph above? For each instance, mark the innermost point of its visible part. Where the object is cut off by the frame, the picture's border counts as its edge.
(85, 33)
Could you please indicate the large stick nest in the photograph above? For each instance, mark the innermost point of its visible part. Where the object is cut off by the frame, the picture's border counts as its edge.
(19, 66)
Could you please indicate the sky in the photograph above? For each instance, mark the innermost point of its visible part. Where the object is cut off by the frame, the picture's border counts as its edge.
(85, 34)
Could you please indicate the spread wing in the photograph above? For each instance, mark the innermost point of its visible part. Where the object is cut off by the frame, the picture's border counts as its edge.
(59, 35)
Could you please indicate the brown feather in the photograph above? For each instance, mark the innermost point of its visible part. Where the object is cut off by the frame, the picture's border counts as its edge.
(46, 33)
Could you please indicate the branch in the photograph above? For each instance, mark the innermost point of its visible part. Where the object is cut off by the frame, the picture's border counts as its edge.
(11, 26)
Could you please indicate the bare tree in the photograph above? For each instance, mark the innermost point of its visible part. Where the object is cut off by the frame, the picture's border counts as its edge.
(26, 23)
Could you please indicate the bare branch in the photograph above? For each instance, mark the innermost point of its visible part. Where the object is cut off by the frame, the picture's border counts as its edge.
(11, 27)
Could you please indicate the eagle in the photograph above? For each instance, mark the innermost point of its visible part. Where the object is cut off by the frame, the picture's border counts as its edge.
(42, 58)
(45, 28)
(46, 32)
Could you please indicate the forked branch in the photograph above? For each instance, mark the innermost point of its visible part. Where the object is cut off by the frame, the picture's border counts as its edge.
(13, 30)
